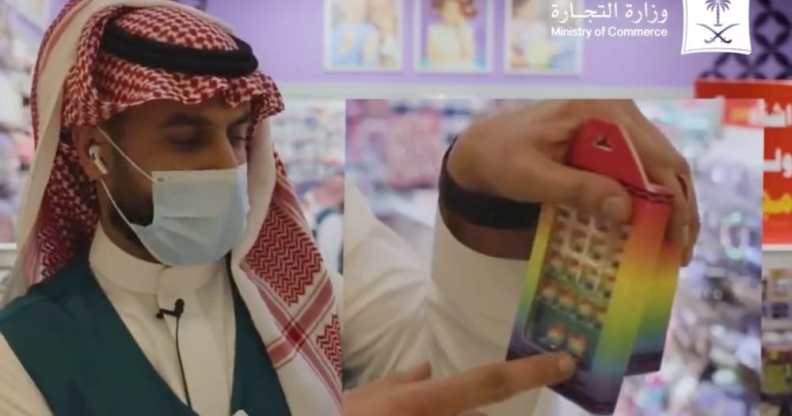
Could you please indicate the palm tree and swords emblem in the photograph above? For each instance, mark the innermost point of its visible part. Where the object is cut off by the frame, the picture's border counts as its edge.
(718, 6)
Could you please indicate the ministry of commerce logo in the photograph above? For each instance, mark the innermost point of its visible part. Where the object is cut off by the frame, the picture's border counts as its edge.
(717, 26)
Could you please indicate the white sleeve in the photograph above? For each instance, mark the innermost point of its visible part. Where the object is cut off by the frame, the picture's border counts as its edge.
(385, 292)
(19, 395)
(396, 315)
(471, 315)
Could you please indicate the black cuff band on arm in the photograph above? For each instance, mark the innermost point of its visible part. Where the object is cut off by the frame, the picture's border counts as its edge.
(482, 209)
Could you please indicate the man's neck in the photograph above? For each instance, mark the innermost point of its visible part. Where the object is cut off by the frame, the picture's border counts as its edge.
(124, 241)
(111, 263)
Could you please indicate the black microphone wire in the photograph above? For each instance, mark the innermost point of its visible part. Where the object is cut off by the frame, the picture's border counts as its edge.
(177, 312)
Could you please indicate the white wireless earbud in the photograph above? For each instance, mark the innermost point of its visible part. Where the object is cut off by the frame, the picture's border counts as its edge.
(95, 151)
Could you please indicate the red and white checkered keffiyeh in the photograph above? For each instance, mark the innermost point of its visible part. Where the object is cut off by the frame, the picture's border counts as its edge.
(76, 84)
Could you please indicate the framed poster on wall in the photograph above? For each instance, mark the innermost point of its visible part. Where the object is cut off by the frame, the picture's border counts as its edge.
(453, 35)
(363, 35)
(530, 47)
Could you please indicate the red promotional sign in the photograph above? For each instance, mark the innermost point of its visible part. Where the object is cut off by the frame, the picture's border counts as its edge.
(777, 94)
(776, 118)
(777, 201)
(744, 113)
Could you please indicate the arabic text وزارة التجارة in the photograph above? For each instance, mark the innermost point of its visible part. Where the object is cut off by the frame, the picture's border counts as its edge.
(611, 10)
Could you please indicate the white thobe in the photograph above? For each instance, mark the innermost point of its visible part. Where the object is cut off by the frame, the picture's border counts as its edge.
(394, 315)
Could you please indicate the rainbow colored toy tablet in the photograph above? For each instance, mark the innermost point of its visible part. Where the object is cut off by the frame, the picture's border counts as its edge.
(650, 342)
(592, 289)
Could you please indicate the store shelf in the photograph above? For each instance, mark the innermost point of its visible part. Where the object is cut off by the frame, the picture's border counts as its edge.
(7, 255)
(776, 324)
(777, 256)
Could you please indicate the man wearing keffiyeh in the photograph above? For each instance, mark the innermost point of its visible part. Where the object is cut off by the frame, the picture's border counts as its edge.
(165, 267)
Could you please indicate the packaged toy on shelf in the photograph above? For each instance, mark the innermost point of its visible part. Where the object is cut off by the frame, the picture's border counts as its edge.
(777, 336)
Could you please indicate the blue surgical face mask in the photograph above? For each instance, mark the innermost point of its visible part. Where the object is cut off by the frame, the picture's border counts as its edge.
(199, 216)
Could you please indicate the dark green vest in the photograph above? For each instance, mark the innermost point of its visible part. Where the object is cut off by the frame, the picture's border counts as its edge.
(85, 362)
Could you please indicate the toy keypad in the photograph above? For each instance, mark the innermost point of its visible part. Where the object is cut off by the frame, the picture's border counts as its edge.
(576, 284)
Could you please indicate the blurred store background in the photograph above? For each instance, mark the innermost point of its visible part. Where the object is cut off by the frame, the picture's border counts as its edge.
(777, 338)
(22, 24)
(712, 360)
(310, 139)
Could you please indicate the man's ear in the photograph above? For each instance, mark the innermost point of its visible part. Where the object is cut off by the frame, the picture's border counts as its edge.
(84, 139)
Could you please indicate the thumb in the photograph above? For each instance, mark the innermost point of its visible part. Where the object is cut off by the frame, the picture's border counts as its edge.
(560, 184)
(418, 373)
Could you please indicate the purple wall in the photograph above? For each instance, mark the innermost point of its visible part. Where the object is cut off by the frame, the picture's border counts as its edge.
(287, 37)
(296, 54)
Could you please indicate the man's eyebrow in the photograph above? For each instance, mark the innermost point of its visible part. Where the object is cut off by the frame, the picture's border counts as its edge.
(186, 120)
